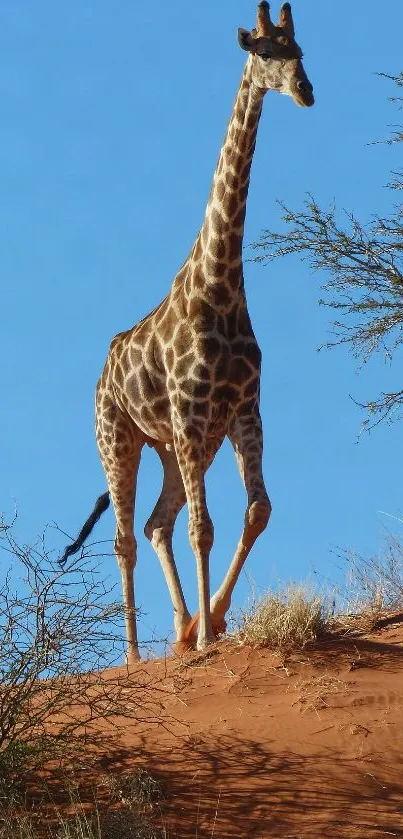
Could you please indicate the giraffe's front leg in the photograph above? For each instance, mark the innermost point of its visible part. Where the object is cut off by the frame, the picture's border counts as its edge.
(247, 439)
(159, 529)
(190, 451)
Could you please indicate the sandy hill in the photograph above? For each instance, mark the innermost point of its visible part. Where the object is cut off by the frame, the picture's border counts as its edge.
(251, 744)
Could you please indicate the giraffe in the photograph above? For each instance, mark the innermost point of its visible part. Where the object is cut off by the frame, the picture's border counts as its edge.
(188, 374)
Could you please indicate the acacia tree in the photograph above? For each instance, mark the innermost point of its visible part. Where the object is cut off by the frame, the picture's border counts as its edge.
(364, 266)
(60, 632)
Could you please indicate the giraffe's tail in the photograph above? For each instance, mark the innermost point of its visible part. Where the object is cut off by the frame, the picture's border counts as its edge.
(101, 504)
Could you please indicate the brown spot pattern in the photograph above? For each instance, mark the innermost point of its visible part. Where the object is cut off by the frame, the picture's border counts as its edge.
(189, 371)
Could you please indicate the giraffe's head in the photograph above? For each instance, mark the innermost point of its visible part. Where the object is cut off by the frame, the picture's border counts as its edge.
(275, 56)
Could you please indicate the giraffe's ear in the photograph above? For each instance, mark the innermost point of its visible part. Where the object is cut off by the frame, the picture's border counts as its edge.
(246, 40)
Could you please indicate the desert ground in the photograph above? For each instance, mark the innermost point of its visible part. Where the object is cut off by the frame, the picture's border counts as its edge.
(252, 743)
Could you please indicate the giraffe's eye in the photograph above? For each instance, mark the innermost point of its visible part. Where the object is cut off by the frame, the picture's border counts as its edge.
(265, 56)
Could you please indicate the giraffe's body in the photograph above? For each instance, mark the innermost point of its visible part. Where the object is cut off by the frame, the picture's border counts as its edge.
(188, 374)
(197, 346)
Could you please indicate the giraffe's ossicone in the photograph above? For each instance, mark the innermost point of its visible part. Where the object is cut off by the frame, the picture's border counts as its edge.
(188, 374)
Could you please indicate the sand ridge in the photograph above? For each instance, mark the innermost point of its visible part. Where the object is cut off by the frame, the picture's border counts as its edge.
(252, 743)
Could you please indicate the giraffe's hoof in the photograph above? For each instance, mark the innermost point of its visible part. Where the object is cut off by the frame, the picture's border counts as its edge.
(192, 629)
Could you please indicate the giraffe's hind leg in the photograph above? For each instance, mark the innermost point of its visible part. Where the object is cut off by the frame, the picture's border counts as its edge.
(159, 529)
(120, 443)
(218, 623)
(246, 436)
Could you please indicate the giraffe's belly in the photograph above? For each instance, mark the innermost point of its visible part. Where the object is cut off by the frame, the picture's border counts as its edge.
(149, 408)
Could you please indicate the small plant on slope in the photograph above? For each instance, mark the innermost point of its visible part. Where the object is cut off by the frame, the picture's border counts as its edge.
(287, 619)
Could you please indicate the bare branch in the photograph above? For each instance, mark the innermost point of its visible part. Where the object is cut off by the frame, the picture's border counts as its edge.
(364, 269)
(59, 630)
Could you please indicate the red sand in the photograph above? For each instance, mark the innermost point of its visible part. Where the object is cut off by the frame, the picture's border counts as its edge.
(253, 746)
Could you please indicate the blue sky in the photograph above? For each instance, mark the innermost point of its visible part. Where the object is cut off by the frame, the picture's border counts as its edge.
(112, 120)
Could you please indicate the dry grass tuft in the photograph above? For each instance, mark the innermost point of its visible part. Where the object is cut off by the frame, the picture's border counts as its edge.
(129, 811)
(124, 823)
(137, 789)
(374, 588)
(375, 584)
(286, 620)
(15, 822)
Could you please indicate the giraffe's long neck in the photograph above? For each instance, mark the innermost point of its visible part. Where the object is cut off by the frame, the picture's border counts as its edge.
(218, 248)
